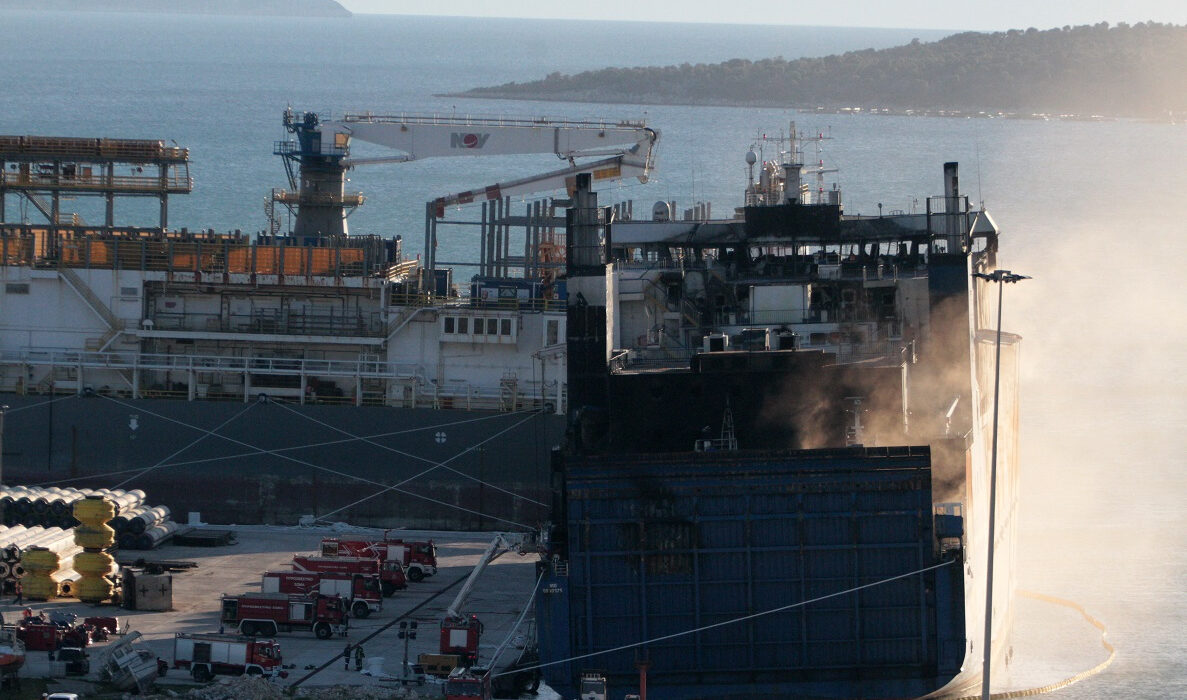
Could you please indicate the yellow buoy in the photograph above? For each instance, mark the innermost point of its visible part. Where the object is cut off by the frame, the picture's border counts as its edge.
(92, 585)
(39, 559)
(93, 535)
(39, 563)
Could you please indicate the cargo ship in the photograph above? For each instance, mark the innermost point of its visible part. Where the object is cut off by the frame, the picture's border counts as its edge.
(270, 376)
(777, 475)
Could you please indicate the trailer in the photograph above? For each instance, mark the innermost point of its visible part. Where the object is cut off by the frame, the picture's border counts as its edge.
(208, 655)
(361, 591)
(419, 559)
(390, 573)
(268, 614)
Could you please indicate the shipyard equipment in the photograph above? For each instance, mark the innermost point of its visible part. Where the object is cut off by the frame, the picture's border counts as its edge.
(319, 158)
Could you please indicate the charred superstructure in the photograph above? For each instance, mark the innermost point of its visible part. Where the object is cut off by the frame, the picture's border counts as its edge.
(775, 482)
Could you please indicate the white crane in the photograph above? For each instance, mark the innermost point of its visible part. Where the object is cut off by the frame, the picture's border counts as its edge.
(322, 153)
(460, 634)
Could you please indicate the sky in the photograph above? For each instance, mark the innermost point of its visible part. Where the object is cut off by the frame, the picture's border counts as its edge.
(982, 15)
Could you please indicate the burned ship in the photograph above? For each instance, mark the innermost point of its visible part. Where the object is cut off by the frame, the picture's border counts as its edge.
(777, 476)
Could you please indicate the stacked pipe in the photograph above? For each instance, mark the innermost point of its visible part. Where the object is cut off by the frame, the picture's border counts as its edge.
(143, 527)
(52, 506)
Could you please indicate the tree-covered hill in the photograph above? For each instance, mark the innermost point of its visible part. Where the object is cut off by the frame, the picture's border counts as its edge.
(1119, 71)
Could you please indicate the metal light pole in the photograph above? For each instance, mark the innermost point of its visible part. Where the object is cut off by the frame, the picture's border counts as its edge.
(1001, 277)
(406, 633)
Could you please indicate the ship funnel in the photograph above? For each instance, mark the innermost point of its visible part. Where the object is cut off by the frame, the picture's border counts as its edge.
(792, 182)
(587, 315)
(952, 222)
(951, 186)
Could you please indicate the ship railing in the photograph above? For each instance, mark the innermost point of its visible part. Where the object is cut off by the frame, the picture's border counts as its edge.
(402, 270)
(266, 322)
(97, 182)
(360, 382)
(890, 351)
(644, 359)
(663, 264)
(263, 365)
(468, 302)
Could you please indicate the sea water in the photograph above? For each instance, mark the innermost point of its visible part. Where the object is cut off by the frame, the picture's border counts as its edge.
(1092, 211)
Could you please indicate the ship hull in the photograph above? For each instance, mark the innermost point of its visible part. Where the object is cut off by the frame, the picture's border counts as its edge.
(269, 462)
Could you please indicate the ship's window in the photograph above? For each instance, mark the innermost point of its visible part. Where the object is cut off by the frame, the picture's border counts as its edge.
(492, 326)
(554, 332)
(129, 291)
(463, 325)
(449, 324)
(16, 288)
(505, 326)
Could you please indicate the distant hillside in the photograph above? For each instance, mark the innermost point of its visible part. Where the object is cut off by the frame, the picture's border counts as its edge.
(1119, 71)
(280, 8)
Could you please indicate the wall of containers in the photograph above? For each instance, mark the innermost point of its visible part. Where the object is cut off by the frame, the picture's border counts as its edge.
(662, 545)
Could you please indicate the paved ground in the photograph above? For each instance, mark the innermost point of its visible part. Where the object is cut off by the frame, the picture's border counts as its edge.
(498, 599)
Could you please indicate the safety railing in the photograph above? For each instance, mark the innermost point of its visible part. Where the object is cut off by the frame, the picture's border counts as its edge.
(356, 325)
(97, 182)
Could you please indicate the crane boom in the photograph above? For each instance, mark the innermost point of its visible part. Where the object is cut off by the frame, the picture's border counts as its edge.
(430, 136)
(318, 161)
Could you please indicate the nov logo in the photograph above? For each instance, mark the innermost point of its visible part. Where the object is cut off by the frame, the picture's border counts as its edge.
(457, 140)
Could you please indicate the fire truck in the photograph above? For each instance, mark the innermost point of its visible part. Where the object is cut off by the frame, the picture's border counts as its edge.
(418, 558)
(361, 591)
(206, 655)
(266, 614)
(466, 684)
(459, 636)
(391, 575)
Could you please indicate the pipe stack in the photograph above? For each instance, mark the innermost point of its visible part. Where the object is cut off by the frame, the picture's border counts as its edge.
(52, 506)
(43, 520)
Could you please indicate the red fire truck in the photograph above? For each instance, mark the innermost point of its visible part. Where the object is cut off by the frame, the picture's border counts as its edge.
(255, 614)
(464, 684)
(208, 654)
(418, 558)
(361, 591)
(460, 635)
(391, 575)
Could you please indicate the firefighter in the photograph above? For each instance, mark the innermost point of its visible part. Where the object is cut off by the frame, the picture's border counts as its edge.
(346, 657)
(359, 655)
